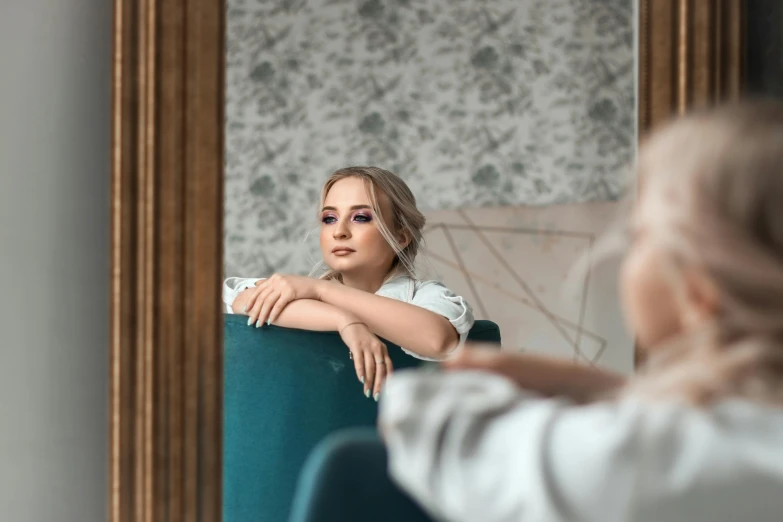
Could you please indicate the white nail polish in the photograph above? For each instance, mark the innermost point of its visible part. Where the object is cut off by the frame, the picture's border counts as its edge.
(249, 321)
(258, 323)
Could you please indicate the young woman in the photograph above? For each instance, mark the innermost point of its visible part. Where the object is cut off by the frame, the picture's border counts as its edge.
(695, 436)
(371, 231)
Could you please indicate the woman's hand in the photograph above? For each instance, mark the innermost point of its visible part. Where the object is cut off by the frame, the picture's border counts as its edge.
(549, 376)
(271, 296)
(486, 358)
(370, 357)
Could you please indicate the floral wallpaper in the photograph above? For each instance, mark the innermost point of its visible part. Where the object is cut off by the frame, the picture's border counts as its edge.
(474, 103)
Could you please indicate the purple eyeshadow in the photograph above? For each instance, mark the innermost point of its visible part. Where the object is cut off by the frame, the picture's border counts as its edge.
(365, 217)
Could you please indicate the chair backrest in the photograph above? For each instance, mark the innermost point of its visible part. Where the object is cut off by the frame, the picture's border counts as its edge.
(284, 391)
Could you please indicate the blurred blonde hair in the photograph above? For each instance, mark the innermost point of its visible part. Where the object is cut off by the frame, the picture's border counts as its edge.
(406, 217)
(715, 179)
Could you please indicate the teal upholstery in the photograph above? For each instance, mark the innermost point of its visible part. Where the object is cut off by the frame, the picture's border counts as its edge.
(330, 490)
(284, 391)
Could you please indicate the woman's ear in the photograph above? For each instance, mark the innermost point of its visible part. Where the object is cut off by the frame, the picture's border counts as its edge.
(404, 239)
(703, 298)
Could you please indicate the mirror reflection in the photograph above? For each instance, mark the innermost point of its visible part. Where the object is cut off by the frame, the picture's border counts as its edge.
(404, 177)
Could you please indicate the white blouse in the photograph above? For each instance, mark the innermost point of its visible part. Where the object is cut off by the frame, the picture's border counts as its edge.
(430, 295)
(472, 447)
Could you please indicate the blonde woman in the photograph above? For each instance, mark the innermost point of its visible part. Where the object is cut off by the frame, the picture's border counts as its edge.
(371, 231)
(696, 436)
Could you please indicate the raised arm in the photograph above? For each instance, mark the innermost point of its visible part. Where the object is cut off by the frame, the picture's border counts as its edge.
(548, 376)
(470, 446)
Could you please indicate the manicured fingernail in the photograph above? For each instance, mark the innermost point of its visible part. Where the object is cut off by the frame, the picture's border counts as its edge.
(367, 394)
(258, 323)
(377, 396)
(244, 309)
(249, 321)
(268, 322)
(362, 379)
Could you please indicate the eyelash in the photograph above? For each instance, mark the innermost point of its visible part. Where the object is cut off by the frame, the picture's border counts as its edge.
(330, 219)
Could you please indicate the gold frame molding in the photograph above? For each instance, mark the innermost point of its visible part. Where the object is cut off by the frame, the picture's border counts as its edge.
(167, 227)
(167, 232)
(690, 55)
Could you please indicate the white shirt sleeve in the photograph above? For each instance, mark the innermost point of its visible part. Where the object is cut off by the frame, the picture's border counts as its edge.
(435, 297)
(470, 446)
(233, 286)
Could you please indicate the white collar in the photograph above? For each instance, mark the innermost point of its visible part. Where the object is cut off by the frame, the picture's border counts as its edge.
(401, 288)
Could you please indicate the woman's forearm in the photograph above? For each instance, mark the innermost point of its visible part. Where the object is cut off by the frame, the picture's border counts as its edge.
(305, 314)
(417, 329)
(558, 377)
(308, 314)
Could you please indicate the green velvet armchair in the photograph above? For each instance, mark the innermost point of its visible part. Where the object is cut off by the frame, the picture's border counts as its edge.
(284, 391)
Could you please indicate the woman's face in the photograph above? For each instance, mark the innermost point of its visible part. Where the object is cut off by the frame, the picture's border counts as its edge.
(652, 310)
(351, 242)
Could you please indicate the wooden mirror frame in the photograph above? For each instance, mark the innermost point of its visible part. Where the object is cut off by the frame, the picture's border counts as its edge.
(167, 227)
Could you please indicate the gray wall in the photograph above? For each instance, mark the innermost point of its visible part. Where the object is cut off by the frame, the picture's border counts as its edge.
(55, 70)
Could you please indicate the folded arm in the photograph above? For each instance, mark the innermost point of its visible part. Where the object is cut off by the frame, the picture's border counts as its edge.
(416, 328)
(304, 314)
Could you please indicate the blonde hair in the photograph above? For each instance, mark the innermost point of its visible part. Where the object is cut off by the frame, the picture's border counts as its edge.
(717, 180)
(406, 217)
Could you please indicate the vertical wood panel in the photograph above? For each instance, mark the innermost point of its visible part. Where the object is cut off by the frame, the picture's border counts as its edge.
(734, 46)
(703, 41)
(690, 54)
(167, 261)
(170, 308)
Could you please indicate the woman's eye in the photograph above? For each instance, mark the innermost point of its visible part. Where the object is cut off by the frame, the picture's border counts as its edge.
(328, 220)
(362, 218)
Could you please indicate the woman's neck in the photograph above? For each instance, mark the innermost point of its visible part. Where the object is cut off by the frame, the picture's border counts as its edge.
(369, 284)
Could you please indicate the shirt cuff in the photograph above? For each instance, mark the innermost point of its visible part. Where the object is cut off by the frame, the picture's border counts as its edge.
(233, 286)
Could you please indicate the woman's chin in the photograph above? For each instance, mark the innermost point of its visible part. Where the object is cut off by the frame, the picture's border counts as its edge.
(341, 264)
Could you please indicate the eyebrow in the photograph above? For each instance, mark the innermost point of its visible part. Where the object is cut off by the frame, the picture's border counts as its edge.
(355, 207)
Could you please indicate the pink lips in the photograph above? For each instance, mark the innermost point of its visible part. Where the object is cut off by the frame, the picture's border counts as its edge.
(342, 251)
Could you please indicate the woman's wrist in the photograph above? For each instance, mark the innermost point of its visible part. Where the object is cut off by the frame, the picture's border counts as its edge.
(356, 324)
(324, 289)
(319, 288)
(344, 320)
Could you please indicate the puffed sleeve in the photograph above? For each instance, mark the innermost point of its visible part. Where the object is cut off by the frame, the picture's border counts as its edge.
(233, 286)
(471, 446)
(435, 297)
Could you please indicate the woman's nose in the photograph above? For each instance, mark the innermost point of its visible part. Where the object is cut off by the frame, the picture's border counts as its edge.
(342, 231)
